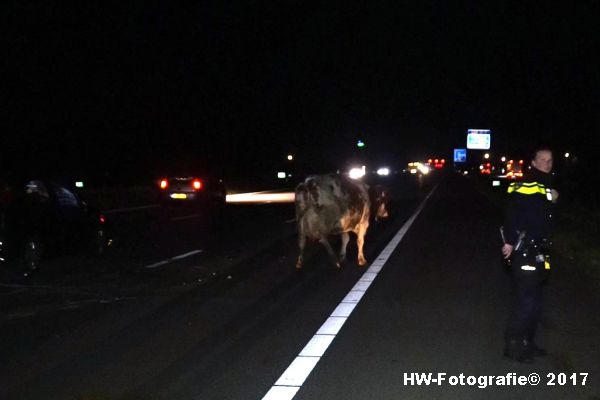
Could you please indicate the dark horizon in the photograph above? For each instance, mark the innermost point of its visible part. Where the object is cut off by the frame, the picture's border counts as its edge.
(135, 87)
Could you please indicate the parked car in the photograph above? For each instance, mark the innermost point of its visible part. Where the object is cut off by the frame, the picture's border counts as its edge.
(40, 218)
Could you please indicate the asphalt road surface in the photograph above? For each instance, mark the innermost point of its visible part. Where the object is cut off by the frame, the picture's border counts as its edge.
(190, 305)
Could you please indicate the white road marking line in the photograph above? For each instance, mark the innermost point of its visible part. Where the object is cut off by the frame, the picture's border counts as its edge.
(282, 393)
(361, 286)
(298, 371)
(353, 296)
(375, 267)
(368, 276)
(286, 387)
(121, 210)
(343, 310)
(191, 253)
(186, 217)
(317, 346)
(289, 221)
(332, 326)
(179, 257)
(158, 264)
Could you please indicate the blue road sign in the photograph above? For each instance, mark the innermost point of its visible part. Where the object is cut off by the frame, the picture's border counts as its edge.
(460, 155)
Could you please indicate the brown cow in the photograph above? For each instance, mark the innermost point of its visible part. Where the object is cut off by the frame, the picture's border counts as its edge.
(333, 205)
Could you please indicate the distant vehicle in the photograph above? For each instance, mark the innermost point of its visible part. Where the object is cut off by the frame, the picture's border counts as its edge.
(511, 170)
(514, 170)
(485, 169)
(514, 175)
(436, 163)
(186, 187)
(418, 168)
(40, 218)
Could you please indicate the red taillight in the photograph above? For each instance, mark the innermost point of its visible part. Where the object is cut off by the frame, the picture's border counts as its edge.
(164, 183)
(521, 162)
(197, 184)
(443, 161)
(102, 219)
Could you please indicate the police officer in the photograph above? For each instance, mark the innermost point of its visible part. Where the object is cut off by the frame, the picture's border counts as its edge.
(527, 229)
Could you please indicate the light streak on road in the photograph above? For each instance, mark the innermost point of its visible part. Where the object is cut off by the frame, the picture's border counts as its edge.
(260, 197)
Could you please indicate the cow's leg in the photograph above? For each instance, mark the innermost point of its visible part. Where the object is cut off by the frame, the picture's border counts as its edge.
(301, 245)
(345, 240)
(330, 251)
(360, 241)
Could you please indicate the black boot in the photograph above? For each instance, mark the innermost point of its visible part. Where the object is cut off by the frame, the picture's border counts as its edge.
(535, 350)
(517, 350)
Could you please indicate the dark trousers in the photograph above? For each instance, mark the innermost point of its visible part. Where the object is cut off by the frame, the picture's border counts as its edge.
(526, 298)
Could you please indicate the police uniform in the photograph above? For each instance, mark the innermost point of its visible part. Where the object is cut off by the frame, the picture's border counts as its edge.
(527, 227)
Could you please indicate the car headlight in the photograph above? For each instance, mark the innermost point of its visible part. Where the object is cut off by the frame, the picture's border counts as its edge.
(356, 173)
(424, 169)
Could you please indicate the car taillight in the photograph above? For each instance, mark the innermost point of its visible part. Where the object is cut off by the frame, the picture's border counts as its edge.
(102, 219)
(164, 183)
(197, 184)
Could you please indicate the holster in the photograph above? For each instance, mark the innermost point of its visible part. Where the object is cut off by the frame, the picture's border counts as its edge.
(538, 253)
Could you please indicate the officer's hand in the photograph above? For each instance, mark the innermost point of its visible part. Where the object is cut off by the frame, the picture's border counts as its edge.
(507, 250)
(554, 195)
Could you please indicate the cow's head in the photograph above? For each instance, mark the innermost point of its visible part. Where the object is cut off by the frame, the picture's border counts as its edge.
(379, 199)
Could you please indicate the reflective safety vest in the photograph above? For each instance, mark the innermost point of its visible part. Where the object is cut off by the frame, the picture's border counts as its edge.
(530, 188)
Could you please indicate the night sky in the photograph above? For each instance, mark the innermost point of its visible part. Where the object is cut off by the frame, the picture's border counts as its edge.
(130, 87)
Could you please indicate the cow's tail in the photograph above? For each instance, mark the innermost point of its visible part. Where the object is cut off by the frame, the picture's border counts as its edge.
(302, 200)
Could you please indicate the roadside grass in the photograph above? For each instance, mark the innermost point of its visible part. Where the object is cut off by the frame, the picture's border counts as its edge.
(577, 232)
(577, 238)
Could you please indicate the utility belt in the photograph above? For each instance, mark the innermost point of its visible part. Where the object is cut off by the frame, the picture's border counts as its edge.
(535, 251)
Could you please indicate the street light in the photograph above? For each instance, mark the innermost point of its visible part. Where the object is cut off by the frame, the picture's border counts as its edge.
(503, 159)
(290, 157)
(486, 155)
(567, 155)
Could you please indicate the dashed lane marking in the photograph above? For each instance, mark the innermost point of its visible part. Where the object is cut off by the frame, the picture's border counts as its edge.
(179, 257)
